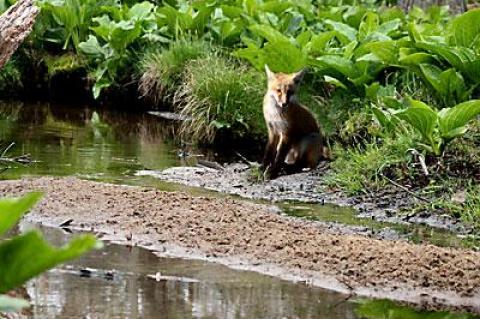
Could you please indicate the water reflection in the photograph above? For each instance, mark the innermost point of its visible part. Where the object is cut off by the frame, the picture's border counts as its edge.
(84, 141)
(220, 292)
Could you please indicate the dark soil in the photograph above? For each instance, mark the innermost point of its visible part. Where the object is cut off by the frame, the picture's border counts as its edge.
(241, 233)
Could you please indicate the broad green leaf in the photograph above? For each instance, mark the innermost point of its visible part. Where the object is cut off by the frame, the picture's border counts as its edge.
(389, 27)
(12, 209)
(385, 51)
(415, 59)
(455, 118)
(344, 31)
(104, 28)
(268, 33)
(140, 11)
(465, 29)
(432, 75)
(25, 256)
(368, 25)
(421, 118)
(338, 64)
(284, 57)
(455, 56)
(10, 304)
(319, 42)
(303, 38)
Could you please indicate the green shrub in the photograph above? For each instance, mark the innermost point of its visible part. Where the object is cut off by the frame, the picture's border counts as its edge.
(356, 170)
(162, 70)
(220, 95)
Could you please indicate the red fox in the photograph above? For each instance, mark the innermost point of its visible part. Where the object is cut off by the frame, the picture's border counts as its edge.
(294, 135)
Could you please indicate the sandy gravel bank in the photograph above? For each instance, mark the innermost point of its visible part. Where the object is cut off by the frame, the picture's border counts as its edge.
(256, 237)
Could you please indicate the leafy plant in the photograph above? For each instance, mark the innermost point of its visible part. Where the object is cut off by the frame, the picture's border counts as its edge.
(436, 128)
(110, 46)
(27, 255)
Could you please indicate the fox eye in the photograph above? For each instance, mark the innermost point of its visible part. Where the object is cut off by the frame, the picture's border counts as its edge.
(279, 91)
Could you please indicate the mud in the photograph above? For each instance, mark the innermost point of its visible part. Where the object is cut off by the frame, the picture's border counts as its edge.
(255, 236)
(309, 187)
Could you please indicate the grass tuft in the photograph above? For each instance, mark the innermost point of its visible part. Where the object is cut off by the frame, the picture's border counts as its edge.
(162, 71)
(220, 95)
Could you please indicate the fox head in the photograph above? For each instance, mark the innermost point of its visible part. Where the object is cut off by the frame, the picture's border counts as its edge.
(282, 87)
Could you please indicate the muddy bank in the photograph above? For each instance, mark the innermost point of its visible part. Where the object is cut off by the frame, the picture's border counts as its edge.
(384, 206)
(256, 237)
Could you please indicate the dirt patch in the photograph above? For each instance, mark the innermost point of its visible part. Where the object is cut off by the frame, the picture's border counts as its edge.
(254, 235)
(383, 206)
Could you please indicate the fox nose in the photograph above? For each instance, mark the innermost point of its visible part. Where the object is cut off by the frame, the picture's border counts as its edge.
(284, 104)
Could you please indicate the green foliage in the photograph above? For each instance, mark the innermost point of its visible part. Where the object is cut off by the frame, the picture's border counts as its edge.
(436, 128)
(386, 309)
(115, 34)
(357, 170)
(220, 95)
(10, 78)
(27, 255)
(162, 71)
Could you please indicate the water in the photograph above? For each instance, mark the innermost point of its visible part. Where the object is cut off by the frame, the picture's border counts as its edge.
(111, 146)
(193, 289)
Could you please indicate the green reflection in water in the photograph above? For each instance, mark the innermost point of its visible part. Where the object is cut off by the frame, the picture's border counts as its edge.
(385, 309)
(84, 142)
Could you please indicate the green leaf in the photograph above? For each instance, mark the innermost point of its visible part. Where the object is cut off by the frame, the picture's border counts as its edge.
(284, 57)
(12, 209)
(453, 120)
(268, 33)
(415, 59)
(10, 304)
(421, 117)
(344, 32)
(140, 11)
(465, 29)
(319, 42)
(385, 51)
(92, 47)
(28, 255)
(368, 25)
(338, 64)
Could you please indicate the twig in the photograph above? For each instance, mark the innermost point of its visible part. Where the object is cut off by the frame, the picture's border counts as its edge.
(405, 189)
(209, 164)
(245, 160)
(7, 149)
(421, 159)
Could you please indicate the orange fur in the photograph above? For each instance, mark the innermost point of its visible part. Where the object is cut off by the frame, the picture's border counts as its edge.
(294, 135)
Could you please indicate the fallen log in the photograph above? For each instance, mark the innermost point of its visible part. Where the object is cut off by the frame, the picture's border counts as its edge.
(15, 25)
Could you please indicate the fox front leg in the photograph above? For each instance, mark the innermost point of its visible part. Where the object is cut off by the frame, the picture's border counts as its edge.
(282, 149)
(270, 151)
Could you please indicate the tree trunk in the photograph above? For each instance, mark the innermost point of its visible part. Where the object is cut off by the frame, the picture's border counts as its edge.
(15, 25)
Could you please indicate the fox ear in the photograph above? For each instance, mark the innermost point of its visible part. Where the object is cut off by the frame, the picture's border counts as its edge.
(298, 76)
(270, 74)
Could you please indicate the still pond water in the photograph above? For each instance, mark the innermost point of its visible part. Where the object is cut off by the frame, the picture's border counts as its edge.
(112, 146)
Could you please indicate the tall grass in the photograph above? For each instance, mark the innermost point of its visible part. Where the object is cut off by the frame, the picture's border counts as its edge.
(162, 71)
(219, 94)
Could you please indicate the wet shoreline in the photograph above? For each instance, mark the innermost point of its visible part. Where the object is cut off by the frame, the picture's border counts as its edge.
(243, 234)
